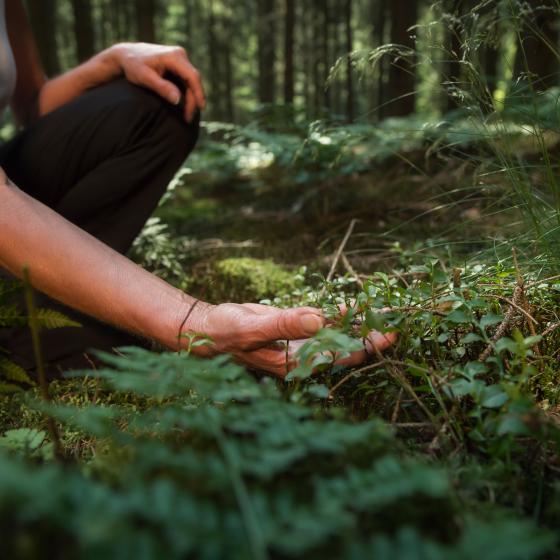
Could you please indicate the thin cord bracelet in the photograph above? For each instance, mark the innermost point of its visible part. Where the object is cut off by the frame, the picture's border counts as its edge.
(180, 333)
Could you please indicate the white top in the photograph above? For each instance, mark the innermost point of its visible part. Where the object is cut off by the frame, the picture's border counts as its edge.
(7, 63)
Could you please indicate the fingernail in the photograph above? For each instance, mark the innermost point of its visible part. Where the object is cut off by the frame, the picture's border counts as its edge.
(310, 324)
(174, 98)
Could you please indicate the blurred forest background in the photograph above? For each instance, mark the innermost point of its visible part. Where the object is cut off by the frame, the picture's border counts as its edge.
(346, 59)
(389, 155)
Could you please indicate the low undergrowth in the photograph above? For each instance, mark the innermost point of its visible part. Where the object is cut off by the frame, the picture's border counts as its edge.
(198, 458)
(445, 447)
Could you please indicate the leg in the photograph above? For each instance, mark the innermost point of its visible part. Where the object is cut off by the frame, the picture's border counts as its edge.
(103, 162)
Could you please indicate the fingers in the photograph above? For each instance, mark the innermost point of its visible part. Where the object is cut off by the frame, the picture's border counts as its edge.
(270, 360)
(262, 309)
(166, 89)
(279, 360)
(190, 106)
(287, 324)
(377, 342)
(186, 71)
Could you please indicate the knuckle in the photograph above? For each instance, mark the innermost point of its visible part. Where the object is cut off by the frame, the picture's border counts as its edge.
(281, 327)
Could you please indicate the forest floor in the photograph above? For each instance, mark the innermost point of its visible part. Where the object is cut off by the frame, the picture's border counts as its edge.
(444, 447)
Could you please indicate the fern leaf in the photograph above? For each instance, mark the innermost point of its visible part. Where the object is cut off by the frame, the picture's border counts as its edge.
(8, 388)
(11, 316)
(50, 319)
(12, 372)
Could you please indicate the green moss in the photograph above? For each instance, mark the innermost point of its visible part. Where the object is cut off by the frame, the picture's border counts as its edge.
(248, 279)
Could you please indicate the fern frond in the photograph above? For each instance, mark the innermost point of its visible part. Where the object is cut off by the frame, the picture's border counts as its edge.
(50, 319)
(10, 371)
(8, 388)
(11, 316)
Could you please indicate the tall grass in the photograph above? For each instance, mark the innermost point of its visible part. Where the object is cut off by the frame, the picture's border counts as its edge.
(516, 120)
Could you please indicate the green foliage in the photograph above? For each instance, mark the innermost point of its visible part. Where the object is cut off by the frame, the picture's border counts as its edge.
(157, 251)
(246, 279)
(12, 376)
(12, 373)
(220, 465)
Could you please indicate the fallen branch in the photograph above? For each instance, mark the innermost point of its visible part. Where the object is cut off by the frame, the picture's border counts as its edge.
(337, 255)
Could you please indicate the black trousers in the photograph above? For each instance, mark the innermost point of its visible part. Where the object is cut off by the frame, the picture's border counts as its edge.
(103, 162)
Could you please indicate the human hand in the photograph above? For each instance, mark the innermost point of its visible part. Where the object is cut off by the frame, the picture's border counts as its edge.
(145, 64)
(256, 334)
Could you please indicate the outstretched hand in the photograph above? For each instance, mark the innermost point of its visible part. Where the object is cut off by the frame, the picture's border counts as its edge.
(256, 335)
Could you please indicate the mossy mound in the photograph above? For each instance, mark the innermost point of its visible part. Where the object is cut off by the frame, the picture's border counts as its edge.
(244, 279)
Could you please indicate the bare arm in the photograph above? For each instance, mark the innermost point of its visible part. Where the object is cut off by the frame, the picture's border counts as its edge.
(75, 268)
(80, 271)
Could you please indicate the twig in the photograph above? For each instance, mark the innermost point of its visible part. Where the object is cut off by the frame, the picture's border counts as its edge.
(530, 318)
(550, 329)
(353, 373)
(414, 425)
(401, 277)
(456, 278)
(544, 280)
(337, 256)
(505, 324)
(397, 408)
(408, 388)
(350, 269)
(531, 325)
(434, 444)
(516, 265)
(39, 361)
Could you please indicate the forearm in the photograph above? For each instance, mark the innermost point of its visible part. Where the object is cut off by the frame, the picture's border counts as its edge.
(75, 268)
(101, 68)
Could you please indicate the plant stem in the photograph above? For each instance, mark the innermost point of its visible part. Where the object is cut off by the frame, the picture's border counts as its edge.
(39, 361)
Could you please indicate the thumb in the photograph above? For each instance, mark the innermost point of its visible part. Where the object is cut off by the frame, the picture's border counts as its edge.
(289, 324)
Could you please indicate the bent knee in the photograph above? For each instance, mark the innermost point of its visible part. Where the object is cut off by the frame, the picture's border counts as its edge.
(141, 113)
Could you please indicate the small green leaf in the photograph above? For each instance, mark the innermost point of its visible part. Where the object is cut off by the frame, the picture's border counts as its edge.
(489, 320)
(470, 338)
(375, 321)
(458, 316)
(506, 343)
(493, 396)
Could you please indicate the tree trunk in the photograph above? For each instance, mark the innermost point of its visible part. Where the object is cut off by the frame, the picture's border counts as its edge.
(540, 44)
(402, 81)
(227, 38)
(42, 15)
(215, 95)
(349, 70)
(337, 51)
(266, 23)
(289, 25)
(378, 36)
(452, 69)
(325, 54)
(306, 44)
(317, 52)
(145, 19)
(83, 29)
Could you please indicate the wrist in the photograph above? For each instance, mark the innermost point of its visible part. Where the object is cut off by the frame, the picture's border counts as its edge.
(193, 324)
(112, 60)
